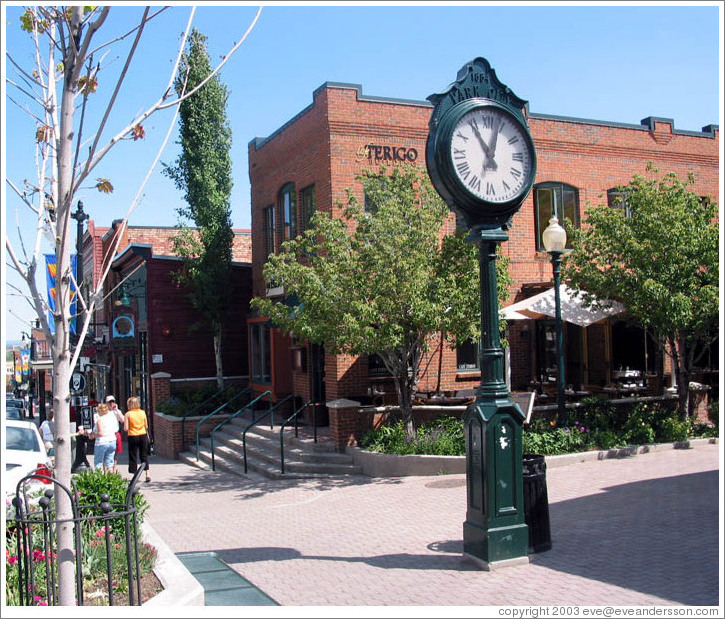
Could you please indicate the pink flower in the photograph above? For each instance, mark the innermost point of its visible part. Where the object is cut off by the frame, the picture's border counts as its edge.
(12, 560)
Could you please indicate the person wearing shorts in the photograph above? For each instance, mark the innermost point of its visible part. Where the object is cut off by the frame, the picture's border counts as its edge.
(104, 430)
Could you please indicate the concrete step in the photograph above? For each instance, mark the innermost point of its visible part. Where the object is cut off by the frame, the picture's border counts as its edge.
(303, 456)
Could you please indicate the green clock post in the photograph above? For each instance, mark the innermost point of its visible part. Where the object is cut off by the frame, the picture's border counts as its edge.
(482, 161)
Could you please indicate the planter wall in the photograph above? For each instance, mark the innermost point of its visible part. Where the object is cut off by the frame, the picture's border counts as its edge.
(168, 438)
(376, 464)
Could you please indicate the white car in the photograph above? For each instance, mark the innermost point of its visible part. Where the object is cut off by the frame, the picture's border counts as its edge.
(24, 454)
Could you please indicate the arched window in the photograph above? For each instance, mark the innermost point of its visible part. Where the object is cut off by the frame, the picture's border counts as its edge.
(554, 199)
(616, 198)
(288, 211)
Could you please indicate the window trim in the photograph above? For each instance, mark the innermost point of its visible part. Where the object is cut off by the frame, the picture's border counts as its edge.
(270, 232)
(265, 354)
(288, 225)
(308, 205)
(558, 188)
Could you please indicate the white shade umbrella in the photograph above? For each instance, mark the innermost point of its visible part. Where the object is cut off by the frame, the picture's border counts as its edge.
(573, 308)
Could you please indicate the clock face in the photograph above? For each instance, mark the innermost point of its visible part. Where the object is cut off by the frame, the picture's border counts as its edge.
(492, 155)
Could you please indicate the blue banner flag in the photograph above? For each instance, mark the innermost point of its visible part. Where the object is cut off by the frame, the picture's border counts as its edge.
(51, 276)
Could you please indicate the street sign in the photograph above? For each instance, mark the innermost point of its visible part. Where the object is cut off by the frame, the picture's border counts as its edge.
(77, 382)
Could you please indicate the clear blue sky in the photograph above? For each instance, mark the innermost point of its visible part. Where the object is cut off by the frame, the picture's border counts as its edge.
(614, 62)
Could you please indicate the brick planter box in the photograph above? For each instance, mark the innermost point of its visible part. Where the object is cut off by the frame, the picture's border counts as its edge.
(168, 438)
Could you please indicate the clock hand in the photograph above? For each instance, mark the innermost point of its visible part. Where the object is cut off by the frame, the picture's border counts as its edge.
(488, 161)
(486, 150)
(494, 139)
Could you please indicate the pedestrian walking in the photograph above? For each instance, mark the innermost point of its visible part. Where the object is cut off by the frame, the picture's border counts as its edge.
(47, 431)
(136, 426)
(114, 410)
(105, 426)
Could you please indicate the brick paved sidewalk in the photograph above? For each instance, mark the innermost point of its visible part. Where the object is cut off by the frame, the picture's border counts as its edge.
(641, 530)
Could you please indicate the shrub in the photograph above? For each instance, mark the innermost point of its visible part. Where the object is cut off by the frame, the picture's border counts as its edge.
(638, 428)
(672, 429)
(606, 439)
(92, 484)
(599, 414)
(554, 441)
(704, 430)
(713, 413)
(443, 437)
(184, 402)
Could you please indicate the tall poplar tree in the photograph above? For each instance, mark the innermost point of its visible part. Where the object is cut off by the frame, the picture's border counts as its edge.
(203, 172)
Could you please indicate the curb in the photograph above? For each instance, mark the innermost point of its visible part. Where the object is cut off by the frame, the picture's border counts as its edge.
(375, 464)
(180, 587)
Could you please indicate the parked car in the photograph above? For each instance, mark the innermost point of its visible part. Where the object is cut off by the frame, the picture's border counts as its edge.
(24, 454)
(17, 404)
(13, 413)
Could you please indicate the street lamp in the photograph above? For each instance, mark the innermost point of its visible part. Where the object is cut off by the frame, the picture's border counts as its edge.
(123, 298)
(554, 239)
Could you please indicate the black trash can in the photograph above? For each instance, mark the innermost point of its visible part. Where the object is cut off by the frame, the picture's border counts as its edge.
(536, 503)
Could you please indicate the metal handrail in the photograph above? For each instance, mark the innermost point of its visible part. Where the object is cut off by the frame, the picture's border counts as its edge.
(228, 419)
(197, 408)
(281, 432)
(246, 391)
(201, 406)
(269, 413)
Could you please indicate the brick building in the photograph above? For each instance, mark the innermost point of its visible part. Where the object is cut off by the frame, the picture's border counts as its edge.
(162, 330)
(307, 164)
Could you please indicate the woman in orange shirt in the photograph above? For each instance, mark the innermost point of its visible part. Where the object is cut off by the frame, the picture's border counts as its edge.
(136, 425)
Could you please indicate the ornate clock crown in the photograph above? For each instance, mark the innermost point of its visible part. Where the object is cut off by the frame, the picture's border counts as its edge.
(475, 79)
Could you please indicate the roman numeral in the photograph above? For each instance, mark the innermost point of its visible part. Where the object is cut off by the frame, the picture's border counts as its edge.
(506, 187)
(513, 140)
(475, 183)
(463, 169)
(518, 157)
(460, 135)
(459, 154)
(516, 173)
(490, 191)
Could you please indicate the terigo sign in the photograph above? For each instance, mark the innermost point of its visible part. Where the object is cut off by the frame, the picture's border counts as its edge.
(381, 152)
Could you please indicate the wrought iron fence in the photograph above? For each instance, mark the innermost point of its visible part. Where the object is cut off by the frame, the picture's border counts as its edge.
(105, 545)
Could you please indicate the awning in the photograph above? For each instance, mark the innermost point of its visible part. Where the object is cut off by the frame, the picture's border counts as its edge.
(573, 309)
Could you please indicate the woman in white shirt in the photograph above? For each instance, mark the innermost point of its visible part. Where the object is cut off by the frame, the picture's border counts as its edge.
(105, 427)
(47, 431)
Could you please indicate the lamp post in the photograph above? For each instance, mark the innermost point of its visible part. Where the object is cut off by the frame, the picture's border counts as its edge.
(80, 216)
(554, 239)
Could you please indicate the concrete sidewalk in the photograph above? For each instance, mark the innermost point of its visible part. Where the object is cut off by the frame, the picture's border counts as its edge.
(641, 530)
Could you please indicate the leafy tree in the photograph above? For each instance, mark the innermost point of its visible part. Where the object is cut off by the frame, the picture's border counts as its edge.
(57, 91)
(379, 280)
(203, 171)
(659, 257)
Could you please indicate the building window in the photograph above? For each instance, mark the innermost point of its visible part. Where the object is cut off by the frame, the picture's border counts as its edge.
(616, 198)
(261, 355)
(555, 199)
(467, 355)
(269, 247)
(371, 203)
(376, 366)
(288, 211)
(307, 206)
